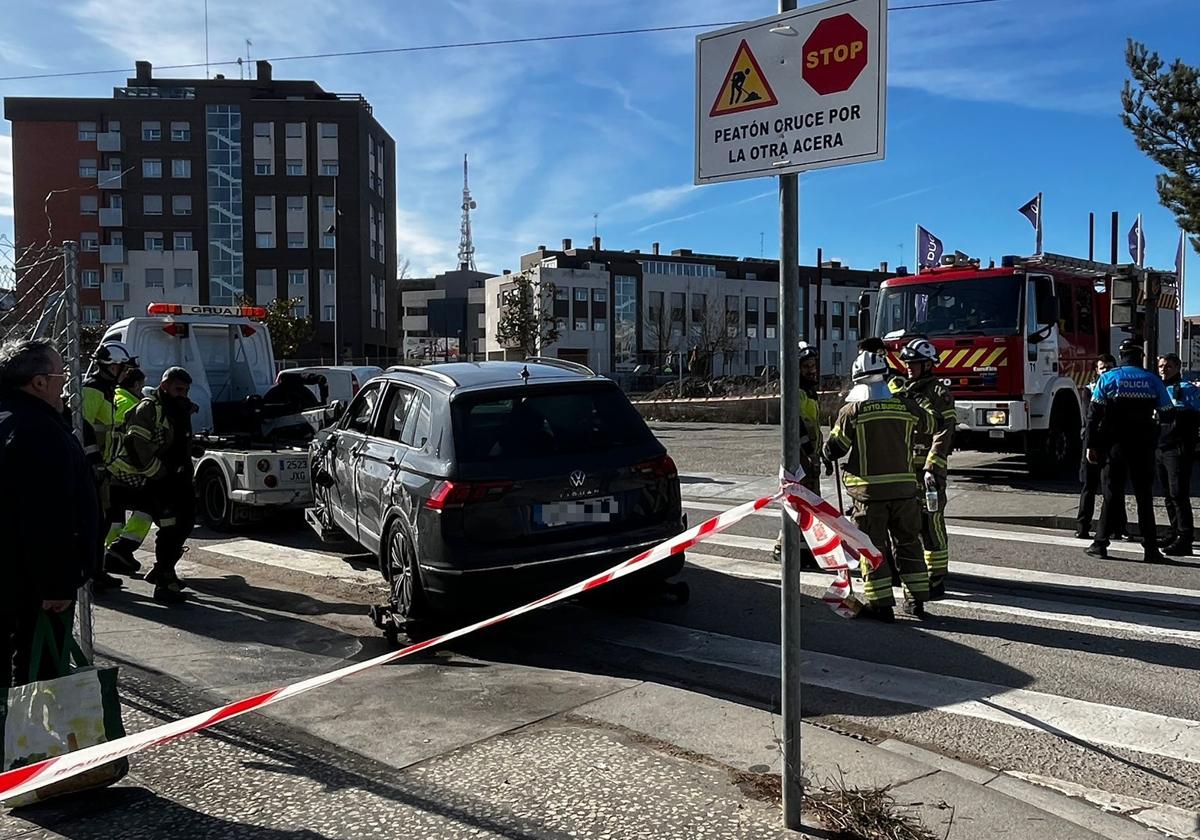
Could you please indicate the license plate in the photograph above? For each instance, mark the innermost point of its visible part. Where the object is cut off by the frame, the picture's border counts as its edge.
(293, 470)
(583, 511)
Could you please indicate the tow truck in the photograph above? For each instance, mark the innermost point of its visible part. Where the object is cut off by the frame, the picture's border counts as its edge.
(1018, 344)
(256, 458)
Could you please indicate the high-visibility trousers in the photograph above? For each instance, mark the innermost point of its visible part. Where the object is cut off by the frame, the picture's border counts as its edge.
(934, 538)
(900, 521)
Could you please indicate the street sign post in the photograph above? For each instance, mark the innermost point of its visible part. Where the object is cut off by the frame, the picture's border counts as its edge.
(801, 90)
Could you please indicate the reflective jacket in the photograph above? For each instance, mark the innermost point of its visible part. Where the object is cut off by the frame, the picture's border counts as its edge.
(123, 401)
(1122, 409)
(877, 438)
(153, 445)
(1180, 428)
(932, 452)
(99, 421)
(810, 417)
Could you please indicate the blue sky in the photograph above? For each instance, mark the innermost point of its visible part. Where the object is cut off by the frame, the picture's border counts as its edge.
(988, 104)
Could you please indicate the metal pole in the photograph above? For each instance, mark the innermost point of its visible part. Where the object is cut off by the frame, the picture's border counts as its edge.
(73, 354)
(789, 411)
(1115, 233)
(1091, 236)
(337, 281)
(1150, 284)
(819, 316)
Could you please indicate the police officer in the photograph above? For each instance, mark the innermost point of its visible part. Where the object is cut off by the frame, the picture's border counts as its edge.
(156, 460)
(931, 454)
(875, 431)
(125, 536)
(1091, 475)
(1121, 426)
(1176, 452)
(810, 432)
(109, 363)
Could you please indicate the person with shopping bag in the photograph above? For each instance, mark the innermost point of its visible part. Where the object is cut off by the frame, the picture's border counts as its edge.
(50, 519)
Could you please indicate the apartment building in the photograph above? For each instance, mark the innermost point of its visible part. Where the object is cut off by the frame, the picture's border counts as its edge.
(443, 317)
(618, 309)
(216, 190)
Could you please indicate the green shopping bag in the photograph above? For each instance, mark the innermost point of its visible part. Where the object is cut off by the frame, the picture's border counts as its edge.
(79, 708)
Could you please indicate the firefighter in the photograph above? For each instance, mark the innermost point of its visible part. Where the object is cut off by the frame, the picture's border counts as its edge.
(810, 434)
(931, 454)
(155, 460)
(1121, 427)
(125, 536)
(875, 432)
(109, 363)
(1177, 439)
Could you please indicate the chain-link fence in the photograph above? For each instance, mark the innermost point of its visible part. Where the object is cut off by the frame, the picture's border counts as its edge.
(39, 298)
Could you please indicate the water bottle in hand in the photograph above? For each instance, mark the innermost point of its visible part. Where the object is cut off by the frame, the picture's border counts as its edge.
(931, 493)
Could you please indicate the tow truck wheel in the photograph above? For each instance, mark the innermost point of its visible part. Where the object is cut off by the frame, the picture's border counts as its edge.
(215, 507)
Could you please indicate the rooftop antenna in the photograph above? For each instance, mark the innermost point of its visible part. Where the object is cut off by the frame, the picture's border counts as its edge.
(761, 238)
(595, 225)
(466, 246)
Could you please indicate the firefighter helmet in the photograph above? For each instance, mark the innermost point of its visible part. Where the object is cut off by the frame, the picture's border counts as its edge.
(867, 366)
(806, 351)
(919, 350)
(114, 353)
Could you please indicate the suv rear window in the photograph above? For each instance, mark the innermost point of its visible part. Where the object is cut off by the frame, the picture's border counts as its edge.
(525, 424)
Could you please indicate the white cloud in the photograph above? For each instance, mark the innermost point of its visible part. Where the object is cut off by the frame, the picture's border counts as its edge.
(428, 253)
(652, 201)
(6, 176)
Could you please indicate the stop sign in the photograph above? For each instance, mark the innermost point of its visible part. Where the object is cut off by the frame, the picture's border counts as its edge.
(835, 54)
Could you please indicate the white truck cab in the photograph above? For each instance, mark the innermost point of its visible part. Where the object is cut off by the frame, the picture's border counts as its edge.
(228, 353)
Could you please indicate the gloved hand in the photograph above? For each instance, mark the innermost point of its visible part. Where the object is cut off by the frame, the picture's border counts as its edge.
(930, 480)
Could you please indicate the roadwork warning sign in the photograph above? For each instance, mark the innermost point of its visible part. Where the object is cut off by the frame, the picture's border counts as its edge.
(745, 87)
(798, 91)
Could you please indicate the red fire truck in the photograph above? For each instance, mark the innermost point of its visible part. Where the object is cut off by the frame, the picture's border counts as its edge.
(1018, 344)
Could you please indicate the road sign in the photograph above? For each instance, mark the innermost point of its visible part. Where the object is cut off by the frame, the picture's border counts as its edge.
(802, 90)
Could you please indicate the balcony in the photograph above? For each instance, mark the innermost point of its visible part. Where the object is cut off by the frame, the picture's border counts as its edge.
(110, 254)
(117, 292)
(111, 217)
(109, 180)
(108, 141)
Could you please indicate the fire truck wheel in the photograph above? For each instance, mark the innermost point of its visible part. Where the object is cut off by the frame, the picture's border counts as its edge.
(1056, 451)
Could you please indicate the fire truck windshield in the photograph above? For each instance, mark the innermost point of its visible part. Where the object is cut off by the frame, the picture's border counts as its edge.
(987, 306)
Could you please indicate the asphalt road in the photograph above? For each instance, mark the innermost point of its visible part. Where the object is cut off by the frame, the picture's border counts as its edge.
(1042, 661)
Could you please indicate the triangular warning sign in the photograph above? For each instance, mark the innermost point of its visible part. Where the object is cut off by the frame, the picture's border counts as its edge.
(745, 87)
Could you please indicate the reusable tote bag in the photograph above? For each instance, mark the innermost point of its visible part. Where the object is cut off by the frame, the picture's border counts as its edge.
(77, 709)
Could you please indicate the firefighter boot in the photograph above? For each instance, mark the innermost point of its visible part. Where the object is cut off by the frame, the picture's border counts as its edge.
(119, 558)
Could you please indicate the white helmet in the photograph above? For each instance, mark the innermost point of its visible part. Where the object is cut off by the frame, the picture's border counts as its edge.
(806, 351)
(920, 350)
(868, 366)
(114, 353)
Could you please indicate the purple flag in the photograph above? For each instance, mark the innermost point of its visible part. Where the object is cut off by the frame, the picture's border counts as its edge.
(1032, 210)
(929, 249)
(1137, 242)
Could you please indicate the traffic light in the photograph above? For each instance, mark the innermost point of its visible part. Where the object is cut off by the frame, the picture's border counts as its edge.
(1123, 300)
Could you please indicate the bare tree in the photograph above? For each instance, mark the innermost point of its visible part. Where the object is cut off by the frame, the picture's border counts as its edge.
(656, 323)
(714, 336)
(527, 322)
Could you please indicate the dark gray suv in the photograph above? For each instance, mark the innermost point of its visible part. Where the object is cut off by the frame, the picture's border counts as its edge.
(476, 484)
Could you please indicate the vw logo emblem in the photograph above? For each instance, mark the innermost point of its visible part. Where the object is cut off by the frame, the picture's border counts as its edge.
(578, 478)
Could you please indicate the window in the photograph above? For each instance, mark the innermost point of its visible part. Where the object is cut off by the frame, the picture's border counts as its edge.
(329, 130)
(581, 295)
(837, 333)
(328, 240)
(297, 278)
(117, 275)
(153, 241)
(262, 129)
(154, 278)
(852, 334)
(116, 311)
(678, 302)
(181, 132)
(699, 307)
(362, 410)
(183, 278)
(113, 125)
(294, 130)
(750, 275)
(151, 130)
(116, 237)
(91, 314)
(327, 204)
(581, 324)
(295, 167)
(329, 167)
(114, 164)
(327, 312)
(87, 131)
(114, 201)
(89, 242)
(89, 205)
(181, 168)
(295, 203)
(417, 423)
(264, 240)
(300, 310)
(90, 278)
(329, 278)
(770, 317)
(1065, 312)
(87, 168)
(751, 307)
(296, 239)
(152, 205)
(264, 166)
(183, 241)
(264, 202)
(181, 205)
(151, 168)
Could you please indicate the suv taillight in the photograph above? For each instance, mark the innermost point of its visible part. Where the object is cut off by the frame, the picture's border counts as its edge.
(662, 467)
(454, 494)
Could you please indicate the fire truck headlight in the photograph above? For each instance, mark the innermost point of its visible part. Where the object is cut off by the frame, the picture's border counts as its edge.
(996, 417)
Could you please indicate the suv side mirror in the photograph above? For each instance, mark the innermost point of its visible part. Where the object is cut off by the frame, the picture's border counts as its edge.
(335, 410)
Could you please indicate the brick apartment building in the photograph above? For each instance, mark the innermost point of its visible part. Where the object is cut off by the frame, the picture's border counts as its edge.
(210, 190)
(619, 309)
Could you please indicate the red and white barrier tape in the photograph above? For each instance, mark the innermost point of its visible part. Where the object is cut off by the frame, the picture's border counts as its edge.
(801, 504)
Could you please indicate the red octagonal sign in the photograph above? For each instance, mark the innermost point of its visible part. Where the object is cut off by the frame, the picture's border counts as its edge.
(835, 54)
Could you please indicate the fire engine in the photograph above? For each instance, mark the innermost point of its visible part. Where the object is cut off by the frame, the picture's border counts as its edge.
(1018, 344)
